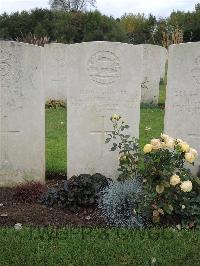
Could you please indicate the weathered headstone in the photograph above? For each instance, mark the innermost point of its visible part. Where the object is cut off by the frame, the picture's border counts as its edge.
(152, 68)
(182, 114)
(22, 136)
(107, 81)
(55, 71)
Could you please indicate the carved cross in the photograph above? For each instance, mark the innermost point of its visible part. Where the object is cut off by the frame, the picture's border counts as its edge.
(102, 132)
(4, 134)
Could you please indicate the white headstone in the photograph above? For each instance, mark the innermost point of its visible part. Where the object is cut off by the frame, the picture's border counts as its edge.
(55, 71)
(153, 67)
(107, 81)
(182, 114)
(22, 137)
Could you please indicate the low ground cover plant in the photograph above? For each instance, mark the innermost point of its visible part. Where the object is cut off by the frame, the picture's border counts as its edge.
(78, 191)
(118, 203)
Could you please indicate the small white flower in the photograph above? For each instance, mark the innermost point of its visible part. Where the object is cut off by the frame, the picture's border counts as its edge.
(1, 204)
(178, 226)
(61, 123)
(183, 207)
(153, 260)
(18, 226)
(147, 128)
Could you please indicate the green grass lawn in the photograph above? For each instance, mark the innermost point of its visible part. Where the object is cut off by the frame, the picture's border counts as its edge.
(56, 132)
(98, 247)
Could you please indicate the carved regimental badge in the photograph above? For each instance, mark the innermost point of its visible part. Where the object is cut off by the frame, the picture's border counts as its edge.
(104, 68)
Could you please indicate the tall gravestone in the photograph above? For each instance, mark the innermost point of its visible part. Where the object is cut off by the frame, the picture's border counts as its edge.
(152, 71)
(107, 81)
(22, 137)
(55, 71)
(182, 113)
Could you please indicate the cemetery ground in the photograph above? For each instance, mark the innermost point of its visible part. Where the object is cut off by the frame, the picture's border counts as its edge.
(52, 236)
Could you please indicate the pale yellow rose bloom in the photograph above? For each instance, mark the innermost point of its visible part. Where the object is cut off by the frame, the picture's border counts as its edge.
(189, 157)
(123, 158)
(164, 136)
(160, 189)
(161, 211)
(186, 186)
(147, 148)
(155, 213)
(170, 143)
(179, 140)
(156, 143)
(175, 180)
(115, 117)
(184, 146)
(194, 152)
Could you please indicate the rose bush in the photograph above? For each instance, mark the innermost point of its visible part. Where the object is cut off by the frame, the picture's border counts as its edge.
(171, 192)
(170, 184)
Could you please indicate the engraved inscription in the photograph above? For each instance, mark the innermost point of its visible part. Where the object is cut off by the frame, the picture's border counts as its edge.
(104, 68)
(10, 75)
(189, 103)
(196, 71)
(9, 68)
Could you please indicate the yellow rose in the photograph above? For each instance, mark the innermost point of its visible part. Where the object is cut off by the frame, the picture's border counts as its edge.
(186, 186)
(115, 117)
(161, 211)
(184, 146)
(175, 180)
(179, 140)
(147, 148)
(123, 158)
(170, 143)
(164, 136)
(156, 143)
(189, 157)
(160, 189)
(156, 213)
(194, 152)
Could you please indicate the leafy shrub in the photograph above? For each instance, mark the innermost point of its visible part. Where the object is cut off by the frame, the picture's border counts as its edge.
(79, 191)
(29, 192)
(172, 193)
(55, 104)
(119, 203)
(128, 148)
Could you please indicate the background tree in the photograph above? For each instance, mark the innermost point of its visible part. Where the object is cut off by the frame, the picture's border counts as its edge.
(71, 5)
